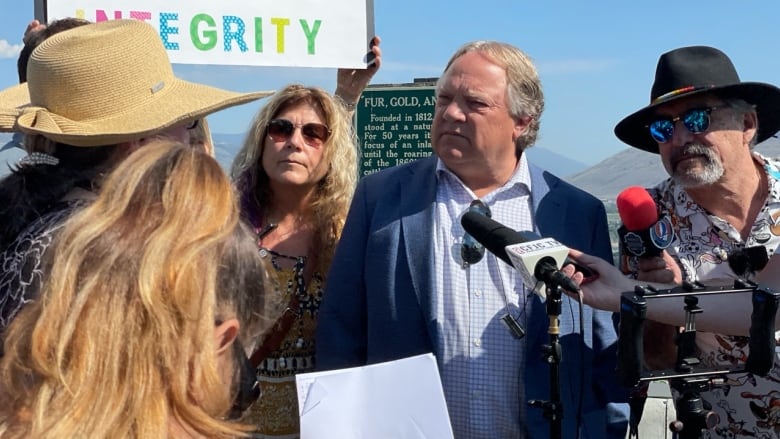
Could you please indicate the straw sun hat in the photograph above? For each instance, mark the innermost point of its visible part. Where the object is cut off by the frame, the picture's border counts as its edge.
(107, 83)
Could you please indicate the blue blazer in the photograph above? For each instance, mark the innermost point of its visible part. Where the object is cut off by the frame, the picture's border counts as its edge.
(378, 303)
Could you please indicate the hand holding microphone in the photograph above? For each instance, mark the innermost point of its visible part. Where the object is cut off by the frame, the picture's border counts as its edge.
(645, 235)
(602, 291)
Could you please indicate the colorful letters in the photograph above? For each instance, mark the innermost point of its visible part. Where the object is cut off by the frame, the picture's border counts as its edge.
(206, 31)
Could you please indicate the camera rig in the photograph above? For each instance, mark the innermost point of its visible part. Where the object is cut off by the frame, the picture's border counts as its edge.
(688, 377)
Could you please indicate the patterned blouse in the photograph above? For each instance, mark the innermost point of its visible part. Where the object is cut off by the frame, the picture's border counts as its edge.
(748, 405)
(276, 411)
(22, 264)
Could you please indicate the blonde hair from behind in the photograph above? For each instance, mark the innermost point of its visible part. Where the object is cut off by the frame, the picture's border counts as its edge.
(122, 339)
(329, 208)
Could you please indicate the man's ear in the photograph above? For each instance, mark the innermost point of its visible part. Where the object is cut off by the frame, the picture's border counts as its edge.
(521, 125)
(226, 333)
(749, 126)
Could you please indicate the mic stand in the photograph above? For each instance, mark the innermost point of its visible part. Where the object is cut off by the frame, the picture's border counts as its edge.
(692, 417)
(553, 409)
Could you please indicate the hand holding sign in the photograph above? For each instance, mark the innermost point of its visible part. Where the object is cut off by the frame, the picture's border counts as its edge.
(352, 82)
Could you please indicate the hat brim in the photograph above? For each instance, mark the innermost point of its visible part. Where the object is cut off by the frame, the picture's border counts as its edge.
(179, 102)
(765, 97)
(11, 101)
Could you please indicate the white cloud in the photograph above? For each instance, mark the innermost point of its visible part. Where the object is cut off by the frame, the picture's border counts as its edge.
(9, 50)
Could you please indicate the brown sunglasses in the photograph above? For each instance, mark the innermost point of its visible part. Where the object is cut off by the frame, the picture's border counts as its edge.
(314, 134)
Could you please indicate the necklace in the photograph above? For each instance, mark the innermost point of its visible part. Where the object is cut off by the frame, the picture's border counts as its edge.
(263, 233)
(297, 288)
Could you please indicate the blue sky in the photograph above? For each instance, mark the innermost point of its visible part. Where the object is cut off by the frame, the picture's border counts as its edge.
(596, 58)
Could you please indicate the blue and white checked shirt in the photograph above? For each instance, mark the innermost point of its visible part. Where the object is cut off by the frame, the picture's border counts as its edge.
(481, 361)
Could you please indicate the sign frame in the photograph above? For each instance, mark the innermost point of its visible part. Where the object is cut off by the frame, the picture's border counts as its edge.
(295, 33)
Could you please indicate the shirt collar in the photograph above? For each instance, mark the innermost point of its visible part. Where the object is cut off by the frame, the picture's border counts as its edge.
(520, 177)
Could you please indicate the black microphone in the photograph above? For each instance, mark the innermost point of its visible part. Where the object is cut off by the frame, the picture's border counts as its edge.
(748, 260)
(496, 237)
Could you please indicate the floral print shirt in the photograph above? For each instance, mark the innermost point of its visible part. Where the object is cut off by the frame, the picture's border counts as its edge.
(748, 405)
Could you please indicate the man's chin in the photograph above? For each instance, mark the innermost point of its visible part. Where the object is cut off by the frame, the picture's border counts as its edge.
(691, 179)
(447, 153)
(689, 162)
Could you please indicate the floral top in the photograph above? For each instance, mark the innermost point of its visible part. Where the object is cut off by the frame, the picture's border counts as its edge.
(748, 405)
(22, 263)
(276, 412)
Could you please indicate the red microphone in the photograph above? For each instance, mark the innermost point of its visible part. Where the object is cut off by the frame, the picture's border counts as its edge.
(642, 234)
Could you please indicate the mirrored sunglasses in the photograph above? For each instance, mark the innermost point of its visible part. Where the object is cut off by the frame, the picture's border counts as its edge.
(471, 251)
(696, 121)
(314, 134)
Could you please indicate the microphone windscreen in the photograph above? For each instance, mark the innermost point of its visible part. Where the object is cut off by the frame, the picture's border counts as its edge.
(636, 208)
(748, 259)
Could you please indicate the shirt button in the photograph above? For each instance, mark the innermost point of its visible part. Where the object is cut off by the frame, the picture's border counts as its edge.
(475, 394)
(477, 342)
(478, 293)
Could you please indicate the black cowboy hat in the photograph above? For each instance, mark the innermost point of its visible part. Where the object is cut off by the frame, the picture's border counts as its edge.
(689, 71)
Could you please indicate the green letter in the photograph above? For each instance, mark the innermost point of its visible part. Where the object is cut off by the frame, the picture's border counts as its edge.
(259, 34)
(311, 34)
(209, 34)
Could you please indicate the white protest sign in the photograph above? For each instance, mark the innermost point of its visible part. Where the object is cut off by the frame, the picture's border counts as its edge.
(293, 33)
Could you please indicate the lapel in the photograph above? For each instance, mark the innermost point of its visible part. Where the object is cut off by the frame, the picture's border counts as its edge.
(549, 203)
(417, 197)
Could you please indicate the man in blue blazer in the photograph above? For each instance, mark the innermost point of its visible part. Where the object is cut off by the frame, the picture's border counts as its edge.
(407, 280)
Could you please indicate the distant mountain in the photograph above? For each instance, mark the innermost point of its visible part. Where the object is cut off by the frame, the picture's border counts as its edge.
(558, 164)
(604, 180)
(227, 146)
(632, 166)
(627, 168)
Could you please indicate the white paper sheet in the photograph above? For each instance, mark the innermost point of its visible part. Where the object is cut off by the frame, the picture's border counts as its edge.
(400, 399)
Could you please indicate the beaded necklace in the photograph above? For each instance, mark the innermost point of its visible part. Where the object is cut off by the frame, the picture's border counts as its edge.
(298, 296)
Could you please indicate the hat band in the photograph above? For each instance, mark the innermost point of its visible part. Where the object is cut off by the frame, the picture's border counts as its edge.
(680, 91)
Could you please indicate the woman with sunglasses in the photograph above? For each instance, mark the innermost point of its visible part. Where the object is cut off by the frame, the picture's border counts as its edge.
(296, 174)
(154, 289)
